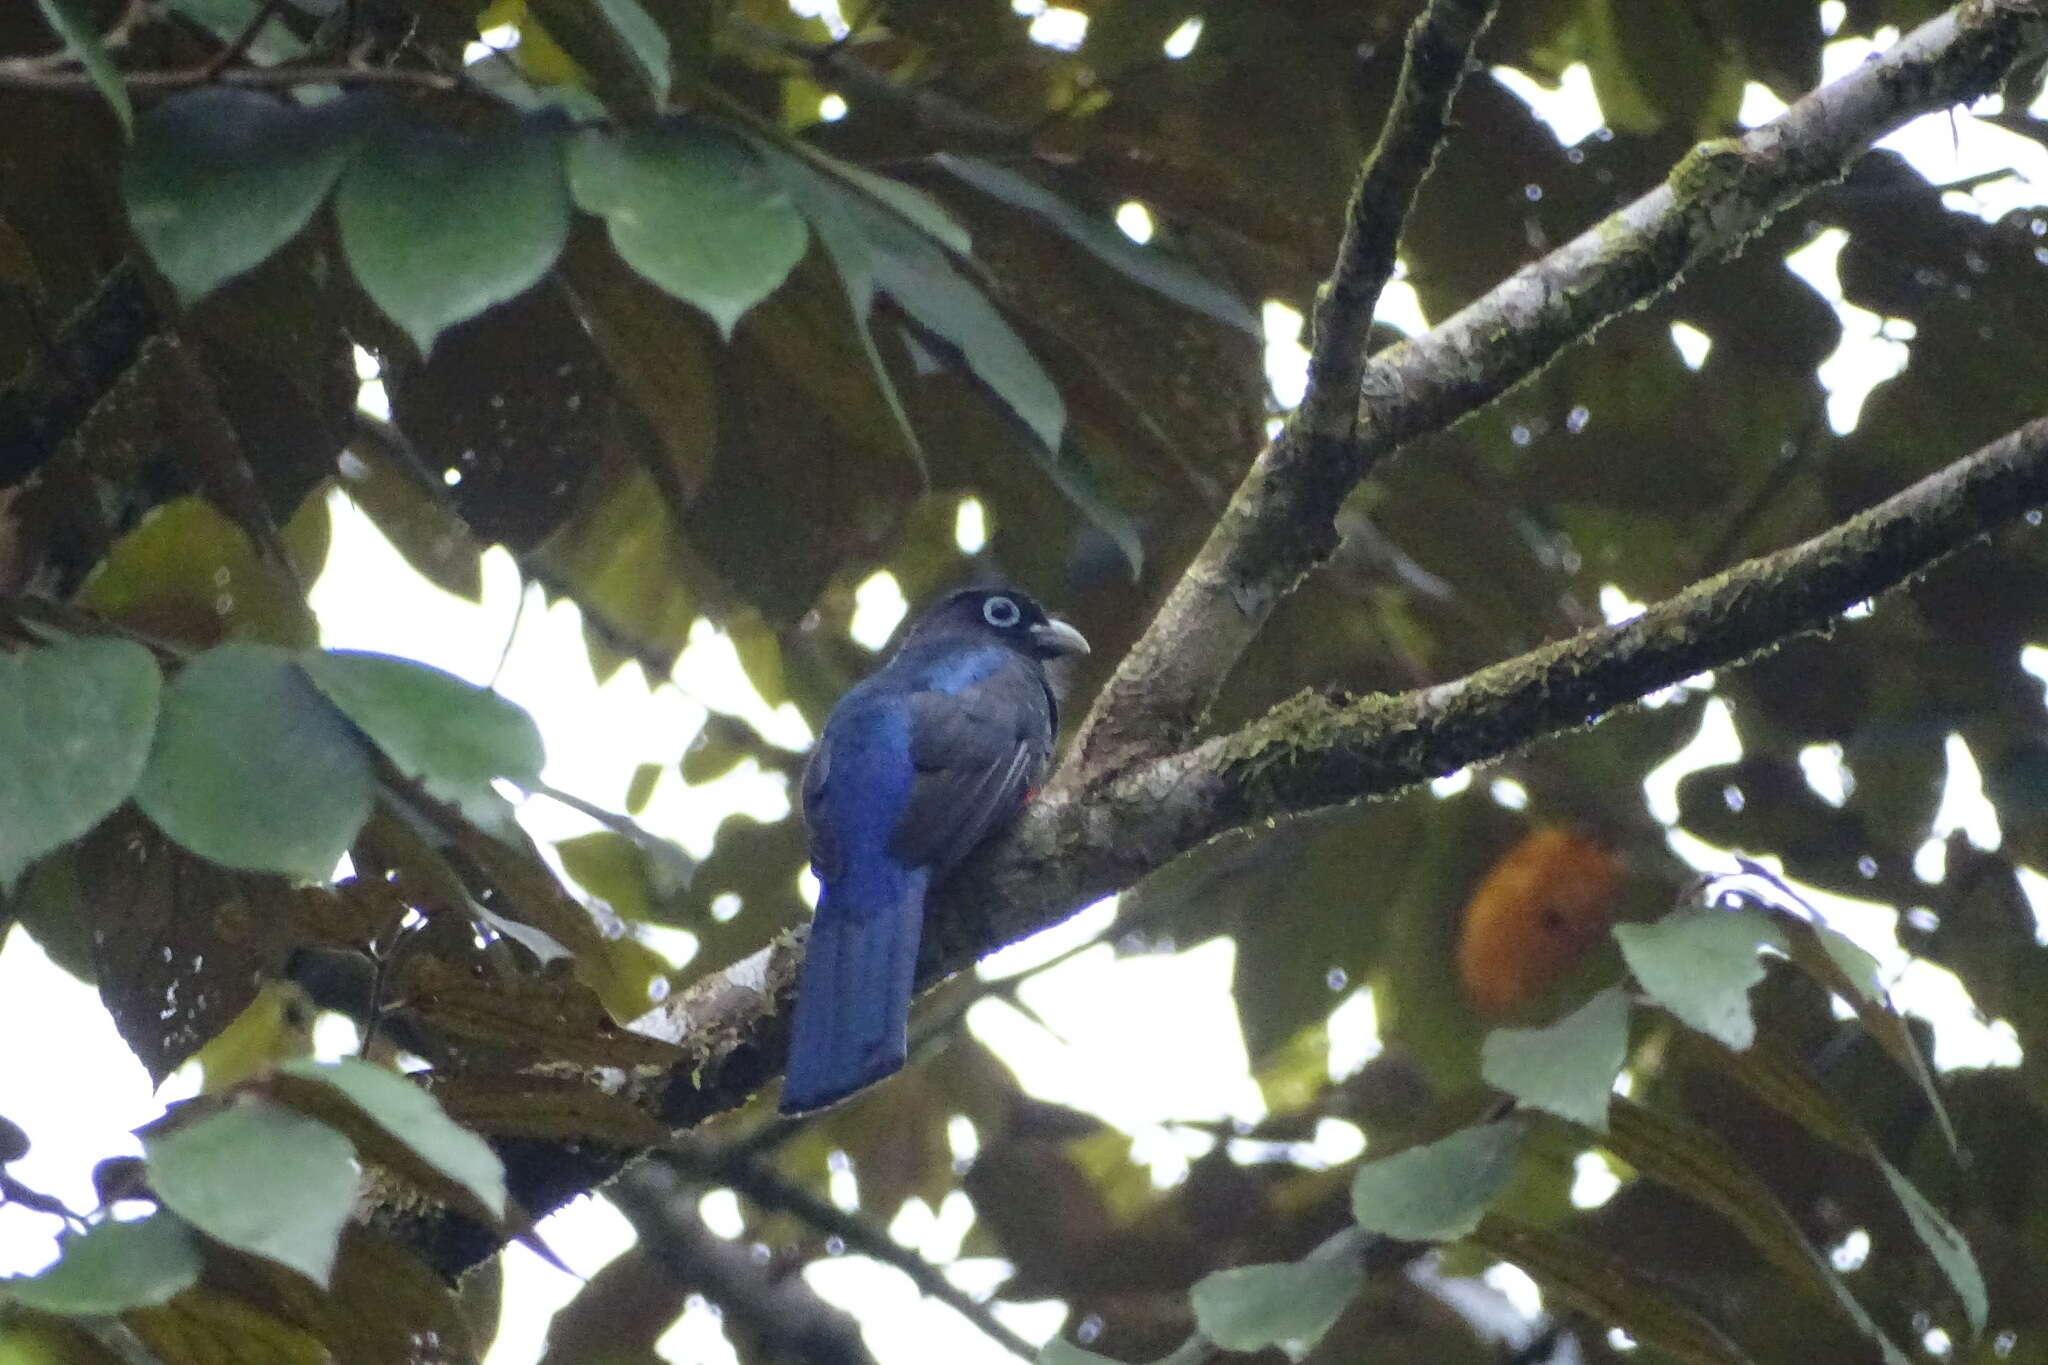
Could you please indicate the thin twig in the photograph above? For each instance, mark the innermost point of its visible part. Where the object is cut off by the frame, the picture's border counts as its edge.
(17, 75)
(788, 1317)
(1311, 463)
(1440, 44)
(239, 48)
(772, 1190)
(113, 39)
(834, 66)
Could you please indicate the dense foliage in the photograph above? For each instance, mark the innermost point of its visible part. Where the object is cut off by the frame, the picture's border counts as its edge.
(702, 312)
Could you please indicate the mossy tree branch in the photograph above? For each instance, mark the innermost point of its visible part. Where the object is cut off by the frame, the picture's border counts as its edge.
(1280, 522)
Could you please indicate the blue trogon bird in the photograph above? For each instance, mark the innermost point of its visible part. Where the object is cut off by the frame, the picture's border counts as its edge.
(916, 766)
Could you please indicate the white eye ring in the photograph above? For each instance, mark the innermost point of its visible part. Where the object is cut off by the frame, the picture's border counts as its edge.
(1001, 612)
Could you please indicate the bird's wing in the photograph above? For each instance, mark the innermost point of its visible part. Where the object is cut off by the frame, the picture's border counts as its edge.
(976, 753)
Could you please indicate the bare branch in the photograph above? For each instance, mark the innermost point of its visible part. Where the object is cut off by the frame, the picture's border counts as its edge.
(1439, 48)
(782, 1312)
(1279, 524)
(767, 1187)
(24, 74)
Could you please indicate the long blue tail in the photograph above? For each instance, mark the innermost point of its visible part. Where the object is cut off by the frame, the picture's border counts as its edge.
(853, 990)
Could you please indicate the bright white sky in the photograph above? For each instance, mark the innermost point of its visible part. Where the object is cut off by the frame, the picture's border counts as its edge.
(1139, 1041)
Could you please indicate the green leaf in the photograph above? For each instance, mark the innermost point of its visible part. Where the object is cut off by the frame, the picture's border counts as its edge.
(1584, 1275)
(1292, 1303)
(1567, 1068)
(1947, 1245)
(1437, 1192)
(1699, 1165)
(853, 261)
(1700, 964)
(252, 767)
(1148, 266)
(262, 1179)
(76, 721)
(640, 877)
(908, 202)
(691, 209)
(874, 248)
(914, 271)
(454, 736)
(114, 1267)
(439, 227)
(644, 40)
(405, 1112)
(82, 41)
(1838, 965)
(640, 790)
(220, 178)
(188, 572)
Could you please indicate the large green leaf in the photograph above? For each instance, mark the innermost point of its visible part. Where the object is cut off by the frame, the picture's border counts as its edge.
(439, 227)
(1948, 1247)
(1291, 1303)
(82, 41)
(692, 209)
(874, 247)
(220, 178)
(76, 721)
(1700, 964)
(253, 768)
(1439, 1191)
(405, 1113)
(455, 737)
(261, 1179)
(913, 270)
(1567, 1068)
(1149, 266)
(114, 1267)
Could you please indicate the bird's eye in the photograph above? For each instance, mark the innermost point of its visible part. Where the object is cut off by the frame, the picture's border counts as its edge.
(1001, 612)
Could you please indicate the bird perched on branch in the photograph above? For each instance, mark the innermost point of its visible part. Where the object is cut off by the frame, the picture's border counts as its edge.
(917, 766)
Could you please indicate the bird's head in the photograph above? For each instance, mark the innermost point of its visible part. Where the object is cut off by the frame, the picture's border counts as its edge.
(1006, 613)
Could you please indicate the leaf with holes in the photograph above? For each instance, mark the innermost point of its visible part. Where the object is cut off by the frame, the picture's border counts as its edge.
(220, 178)
(692, 209)
(253, 768)
(76, 721)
